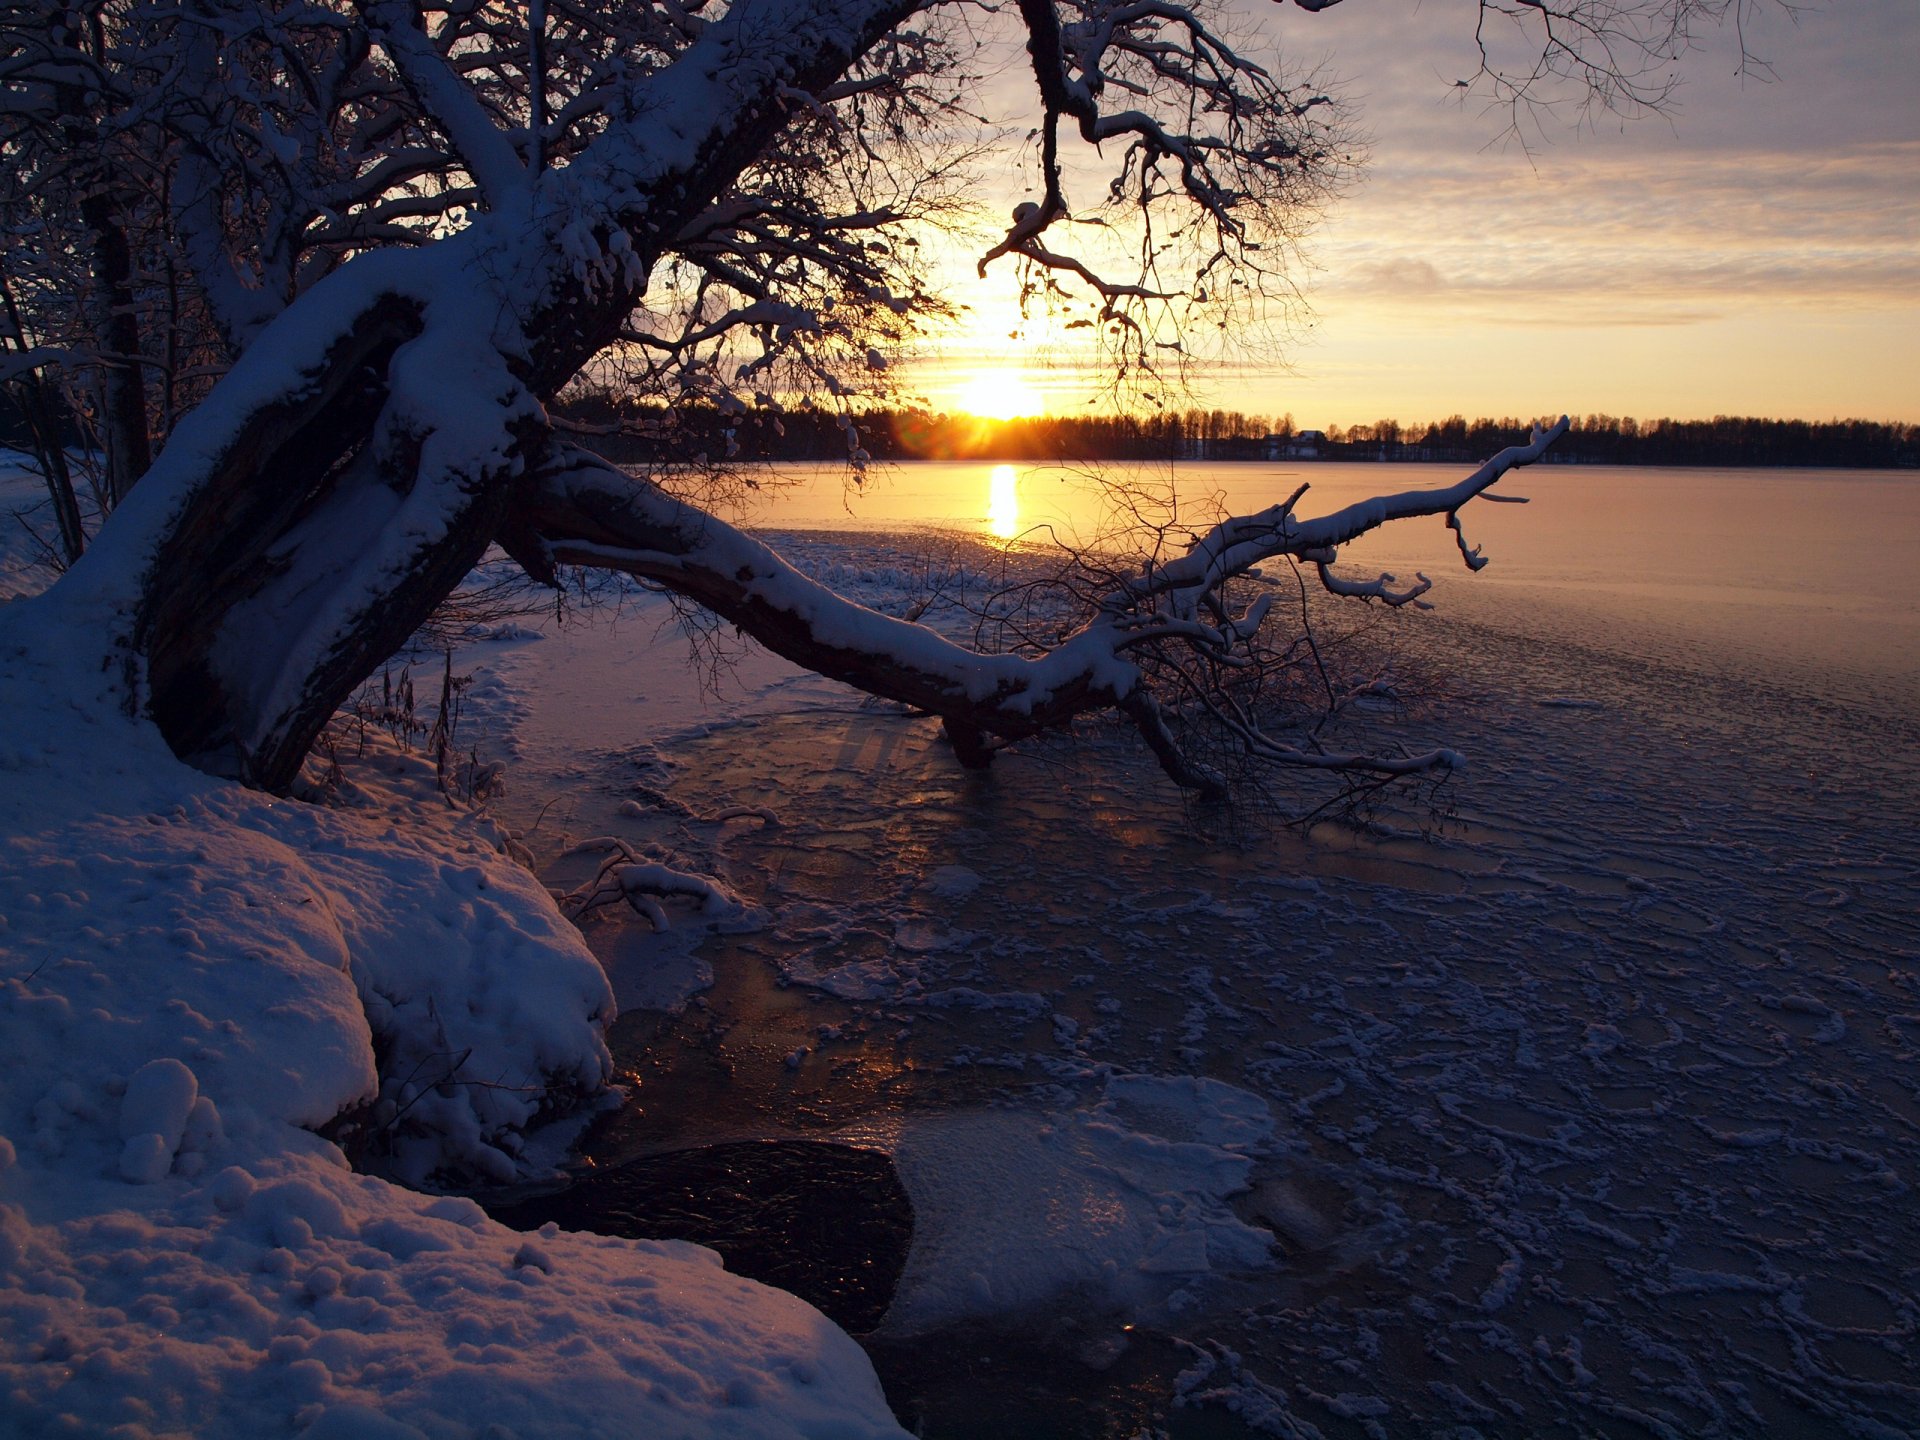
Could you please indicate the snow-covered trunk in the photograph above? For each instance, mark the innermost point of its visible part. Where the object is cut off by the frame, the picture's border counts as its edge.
(224, 541)
(578, 509)
(360, 456)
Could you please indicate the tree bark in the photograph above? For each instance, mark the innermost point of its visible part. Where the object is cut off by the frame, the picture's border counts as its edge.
(250, 642)
(43, 425)
(215, 555)
(123, 383)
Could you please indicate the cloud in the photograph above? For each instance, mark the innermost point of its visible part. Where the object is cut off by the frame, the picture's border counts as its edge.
(1619, 237)
(1678, 264)
(1395, 275)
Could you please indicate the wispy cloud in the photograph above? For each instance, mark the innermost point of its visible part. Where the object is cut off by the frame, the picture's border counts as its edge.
(1620, 240)
(1755, 251)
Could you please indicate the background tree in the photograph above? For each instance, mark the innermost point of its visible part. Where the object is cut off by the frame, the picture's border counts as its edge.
(362, 246)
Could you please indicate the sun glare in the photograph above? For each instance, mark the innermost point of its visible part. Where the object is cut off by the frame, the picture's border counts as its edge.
(1001, 395)
(1003, 502)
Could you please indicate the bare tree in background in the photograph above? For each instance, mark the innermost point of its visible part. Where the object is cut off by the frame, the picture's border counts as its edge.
(314, 271)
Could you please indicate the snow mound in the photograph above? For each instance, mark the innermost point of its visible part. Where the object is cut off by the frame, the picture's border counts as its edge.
(257, 952)
(291, 1296)
(194, 978)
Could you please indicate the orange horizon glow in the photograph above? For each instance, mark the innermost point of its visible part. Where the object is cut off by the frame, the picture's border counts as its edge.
(1752, 258)
(1001, 395)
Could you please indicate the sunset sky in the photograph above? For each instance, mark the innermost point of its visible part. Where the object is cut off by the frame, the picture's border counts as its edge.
(1757, 251)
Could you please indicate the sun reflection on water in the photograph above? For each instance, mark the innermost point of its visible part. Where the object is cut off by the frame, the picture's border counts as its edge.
(1003, 503)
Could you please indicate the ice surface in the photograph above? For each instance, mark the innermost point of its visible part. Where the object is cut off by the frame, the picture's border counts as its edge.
(1118, 1203)
(1597, 1104)
(1595, 1096)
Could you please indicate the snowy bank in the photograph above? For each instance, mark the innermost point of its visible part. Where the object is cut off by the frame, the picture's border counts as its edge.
(194, 978)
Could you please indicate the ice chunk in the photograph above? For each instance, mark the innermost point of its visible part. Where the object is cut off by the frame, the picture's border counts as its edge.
(954, 882)
(1120, 1200)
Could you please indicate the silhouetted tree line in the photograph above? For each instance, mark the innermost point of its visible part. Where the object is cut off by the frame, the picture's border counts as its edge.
(1733, 440)
(627, 432)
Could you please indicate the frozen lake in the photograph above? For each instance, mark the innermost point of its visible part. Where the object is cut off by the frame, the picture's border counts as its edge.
(1594, 1111)
(1779, 569)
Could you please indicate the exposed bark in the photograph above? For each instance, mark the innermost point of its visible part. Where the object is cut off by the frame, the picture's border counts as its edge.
(215, 554)
(969, 743)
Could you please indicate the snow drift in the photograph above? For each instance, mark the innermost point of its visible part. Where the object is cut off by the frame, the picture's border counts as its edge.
(194, 977)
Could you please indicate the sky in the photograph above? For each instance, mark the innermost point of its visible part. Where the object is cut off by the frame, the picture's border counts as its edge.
(1754, 250)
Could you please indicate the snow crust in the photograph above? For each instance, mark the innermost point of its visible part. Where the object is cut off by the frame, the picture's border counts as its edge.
(193, 979)
(1117, 1202)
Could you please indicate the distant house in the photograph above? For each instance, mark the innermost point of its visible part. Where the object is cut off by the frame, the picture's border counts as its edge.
(1301, 445)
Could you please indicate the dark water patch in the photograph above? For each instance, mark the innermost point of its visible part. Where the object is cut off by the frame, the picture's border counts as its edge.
(1064, 1377)
(829, 1223)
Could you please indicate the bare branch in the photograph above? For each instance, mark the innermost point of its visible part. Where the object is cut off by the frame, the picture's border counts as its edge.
(582, 511)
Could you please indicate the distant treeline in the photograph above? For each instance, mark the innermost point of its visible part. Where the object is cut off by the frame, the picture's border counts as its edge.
(1734, 440)
(631, 432)
(628, 432)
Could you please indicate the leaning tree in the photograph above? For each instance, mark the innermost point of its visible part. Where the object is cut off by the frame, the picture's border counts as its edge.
(317, 270)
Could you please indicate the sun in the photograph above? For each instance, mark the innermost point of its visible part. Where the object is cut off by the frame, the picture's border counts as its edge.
(1001, 395)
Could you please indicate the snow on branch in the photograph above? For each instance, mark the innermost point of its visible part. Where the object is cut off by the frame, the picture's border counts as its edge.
(445, 96)
(580, 510)
(1239, 543)
(643, 884)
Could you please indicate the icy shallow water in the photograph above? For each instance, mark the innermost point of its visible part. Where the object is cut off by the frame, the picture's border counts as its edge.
(1595, 1114)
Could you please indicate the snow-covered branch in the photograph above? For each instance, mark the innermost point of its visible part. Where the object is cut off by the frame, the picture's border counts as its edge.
(483, 147)
(1238, 544)
(582, 511)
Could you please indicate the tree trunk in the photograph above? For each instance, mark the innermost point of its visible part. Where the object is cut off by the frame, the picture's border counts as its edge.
(30, 396)
(313, 528)
(123, 385)
(29, 393)
(116, 321)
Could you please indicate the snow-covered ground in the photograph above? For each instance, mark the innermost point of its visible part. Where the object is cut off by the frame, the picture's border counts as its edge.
(1595, 1113)
(194, 978)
